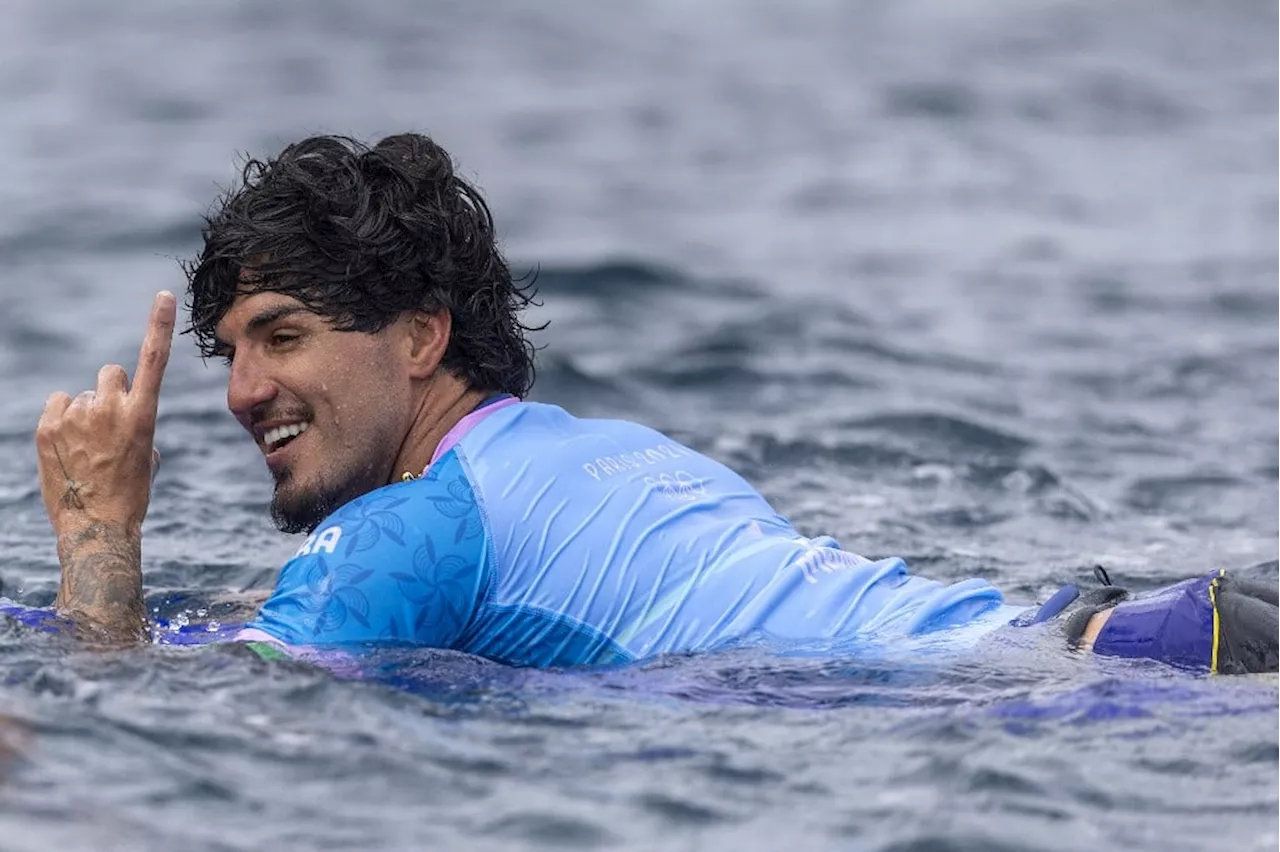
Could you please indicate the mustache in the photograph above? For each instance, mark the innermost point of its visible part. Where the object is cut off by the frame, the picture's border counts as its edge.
(278, 413)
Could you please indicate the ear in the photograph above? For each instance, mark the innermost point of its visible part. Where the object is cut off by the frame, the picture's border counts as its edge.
(427, 339)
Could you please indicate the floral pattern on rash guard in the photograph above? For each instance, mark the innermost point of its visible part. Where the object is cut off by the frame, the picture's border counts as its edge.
(400, 564)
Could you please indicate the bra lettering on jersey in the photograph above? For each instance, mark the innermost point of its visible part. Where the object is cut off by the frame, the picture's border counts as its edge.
(326, 540)
(604, 466)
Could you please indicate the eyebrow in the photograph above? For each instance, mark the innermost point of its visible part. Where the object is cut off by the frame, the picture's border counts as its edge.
(263, 318)
(270, 315)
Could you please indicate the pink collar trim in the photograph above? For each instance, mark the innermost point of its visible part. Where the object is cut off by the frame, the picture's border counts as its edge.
(465, 425)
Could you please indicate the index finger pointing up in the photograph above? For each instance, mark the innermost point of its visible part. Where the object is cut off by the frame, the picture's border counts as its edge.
(154, 356)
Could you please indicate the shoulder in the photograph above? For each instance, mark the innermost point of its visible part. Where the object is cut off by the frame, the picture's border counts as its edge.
(402, 563)
(540, 420)
(382, 518)
(546, 434)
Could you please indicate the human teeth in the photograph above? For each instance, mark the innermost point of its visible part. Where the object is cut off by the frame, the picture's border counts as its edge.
(279, 433)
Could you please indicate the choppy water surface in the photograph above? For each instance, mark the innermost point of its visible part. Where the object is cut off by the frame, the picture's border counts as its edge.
(991, 286)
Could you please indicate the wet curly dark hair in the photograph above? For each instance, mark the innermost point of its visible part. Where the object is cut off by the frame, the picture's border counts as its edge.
(360, 235)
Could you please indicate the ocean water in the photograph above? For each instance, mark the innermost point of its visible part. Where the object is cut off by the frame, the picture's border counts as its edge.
(991, 286)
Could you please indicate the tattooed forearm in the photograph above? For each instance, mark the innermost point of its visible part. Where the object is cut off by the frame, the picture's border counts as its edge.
(101, 584)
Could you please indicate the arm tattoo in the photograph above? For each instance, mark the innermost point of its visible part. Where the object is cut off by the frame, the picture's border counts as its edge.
(101, 584)
(72, 498)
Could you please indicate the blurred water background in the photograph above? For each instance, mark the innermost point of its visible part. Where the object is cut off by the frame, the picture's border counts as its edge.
(988, 285)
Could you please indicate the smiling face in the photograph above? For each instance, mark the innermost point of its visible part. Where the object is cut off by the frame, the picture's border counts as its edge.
(329, 409)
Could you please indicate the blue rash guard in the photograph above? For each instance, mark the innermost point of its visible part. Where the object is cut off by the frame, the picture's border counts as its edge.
(540, 539)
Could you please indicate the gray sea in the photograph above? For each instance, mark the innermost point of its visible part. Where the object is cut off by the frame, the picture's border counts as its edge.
(988, 285)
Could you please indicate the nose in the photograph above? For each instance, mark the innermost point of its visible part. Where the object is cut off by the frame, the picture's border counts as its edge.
(248, 387)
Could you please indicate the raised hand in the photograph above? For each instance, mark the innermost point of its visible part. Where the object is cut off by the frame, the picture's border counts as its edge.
(96, 459)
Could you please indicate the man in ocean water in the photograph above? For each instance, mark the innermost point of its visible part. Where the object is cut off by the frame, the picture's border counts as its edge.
(376, 356)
